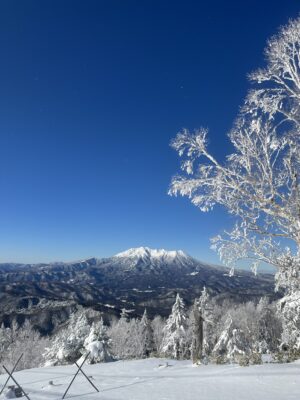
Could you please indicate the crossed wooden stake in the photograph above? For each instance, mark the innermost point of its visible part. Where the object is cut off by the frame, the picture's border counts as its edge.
(10, 376)
(80, 370)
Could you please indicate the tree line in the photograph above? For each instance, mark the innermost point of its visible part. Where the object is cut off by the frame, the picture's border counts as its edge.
(209, 331)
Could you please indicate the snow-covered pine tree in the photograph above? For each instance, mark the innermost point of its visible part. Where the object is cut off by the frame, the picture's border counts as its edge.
(288, 277)
(269, 327)
(220, 348)
(236, 345)
(146, 333)
(289, 306)
(68, 342)
(98, 344)
(175, 342)
(232, 343)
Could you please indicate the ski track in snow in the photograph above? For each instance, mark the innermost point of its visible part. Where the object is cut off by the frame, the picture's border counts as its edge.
(145, 380)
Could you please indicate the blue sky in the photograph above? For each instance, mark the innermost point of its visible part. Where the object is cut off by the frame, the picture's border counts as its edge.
(92, 93)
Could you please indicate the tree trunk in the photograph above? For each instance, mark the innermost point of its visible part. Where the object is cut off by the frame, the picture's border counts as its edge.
(197, 344)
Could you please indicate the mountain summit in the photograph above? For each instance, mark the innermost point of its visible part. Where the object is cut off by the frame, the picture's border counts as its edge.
(147, 255)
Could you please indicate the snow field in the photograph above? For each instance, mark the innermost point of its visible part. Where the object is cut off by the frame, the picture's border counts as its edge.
(151, 379)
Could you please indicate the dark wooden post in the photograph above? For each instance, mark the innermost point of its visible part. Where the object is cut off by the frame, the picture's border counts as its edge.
(77, 372)
(20, 388)
(13, 370)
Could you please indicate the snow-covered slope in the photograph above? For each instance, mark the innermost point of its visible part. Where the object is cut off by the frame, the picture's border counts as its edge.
(146, 252)
(155, 256)
(151, 380)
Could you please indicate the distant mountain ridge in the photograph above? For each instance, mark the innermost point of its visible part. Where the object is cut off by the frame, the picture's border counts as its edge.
(145, 253)
(133, 279)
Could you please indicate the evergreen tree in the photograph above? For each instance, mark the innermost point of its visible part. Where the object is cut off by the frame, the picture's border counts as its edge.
(175, 339)
(98, 344)
(269, 327)
(68, 343)
(221, 346)
(289, 307)
(232, 343)
(236, 345)
(146, 333)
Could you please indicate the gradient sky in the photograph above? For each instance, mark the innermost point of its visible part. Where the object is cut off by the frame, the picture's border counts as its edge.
(91, 94)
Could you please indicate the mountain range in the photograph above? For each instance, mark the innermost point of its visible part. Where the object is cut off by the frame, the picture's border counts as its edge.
(134, 279)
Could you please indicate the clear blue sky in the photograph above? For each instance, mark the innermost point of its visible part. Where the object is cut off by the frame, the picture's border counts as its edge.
(91, 93)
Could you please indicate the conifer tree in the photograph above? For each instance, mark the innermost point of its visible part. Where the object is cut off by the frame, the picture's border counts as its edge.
(146, 333)
(67, 345)
(98, 344)
(232, 343)
(175, 340)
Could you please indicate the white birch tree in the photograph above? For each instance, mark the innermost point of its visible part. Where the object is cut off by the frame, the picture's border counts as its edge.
(199, 341)
(259, 182)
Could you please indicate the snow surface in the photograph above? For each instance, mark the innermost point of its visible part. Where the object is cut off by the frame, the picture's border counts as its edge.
(153, 379)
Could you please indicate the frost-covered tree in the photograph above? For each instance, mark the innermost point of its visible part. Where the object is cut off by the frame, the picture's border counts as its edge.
(158, 324)
(127, 340)
(146, 333)
(67, 344)
(5, 339)
(254, 329)
(259, 182)
(98, 344)
(277, 94)
(119, 333)
(175, 343)
(269, 327)
(221, 346)
(236, 344)
(200, 331)
(290, 310)
(232, 343)
(16, 340)
(124, 317)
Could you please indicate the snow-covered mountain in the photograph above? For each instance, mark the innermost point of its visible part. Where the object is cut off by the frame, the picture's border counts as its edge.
(145, 253)
(133, 279)
(158, 257)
